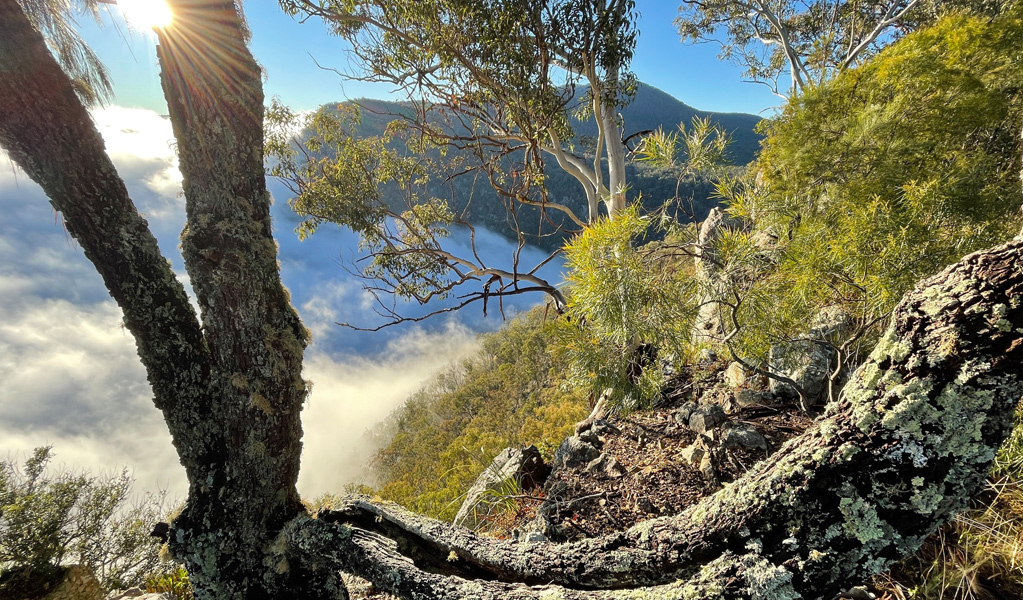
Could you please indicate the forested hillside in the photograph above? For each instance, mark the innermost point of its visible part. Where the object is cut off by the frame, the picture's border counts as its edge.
(513, 392)
(473, 196)
(806, 389)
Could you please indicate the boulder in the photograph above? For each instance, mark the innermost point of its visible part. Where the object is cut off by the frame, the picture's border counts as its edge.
(717, 394)
(683, 413)
(693, 453)
(522, 467)
(741, 435)
(707, 328)
(809, 363)
(745, 398)
(573, 453)
(602, 427)
(706, 417)
(590, 437)
(735, 376)
(605, 465)
(78, 583)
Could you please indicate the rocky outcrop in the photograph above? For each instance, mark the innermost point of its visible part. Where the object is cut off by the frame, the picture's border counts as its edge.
(809, 363)
(708, 329)
(522, 467)
(78, 583)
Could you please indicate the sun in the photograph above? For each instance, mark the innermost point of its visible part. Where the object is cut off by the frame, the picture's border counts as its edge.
(146, 14)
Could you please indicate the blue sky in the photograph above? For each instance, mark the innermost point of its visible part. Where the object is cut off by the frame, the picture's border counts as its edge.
(289, 52)
(70, 372)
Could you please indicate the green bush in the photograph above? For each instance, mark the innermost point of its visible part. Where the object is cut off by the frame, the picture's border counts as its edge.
(51, 519)
(173, 582)
(870, 182)
(621, 296)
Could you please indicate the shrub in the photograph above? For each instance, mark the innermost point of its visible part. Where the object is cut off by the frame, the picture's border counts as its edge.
(52, 519)
(173, 582)
(621, 297)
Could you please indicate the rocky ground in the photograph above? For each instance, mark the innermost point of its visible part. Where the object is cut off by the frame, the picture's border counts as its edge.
(654, 463)
(649, 465)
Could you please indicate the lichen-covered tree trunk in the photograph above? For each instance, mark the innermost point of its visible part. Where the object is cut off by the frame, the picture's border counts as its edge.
(230, 389)
(904, 449)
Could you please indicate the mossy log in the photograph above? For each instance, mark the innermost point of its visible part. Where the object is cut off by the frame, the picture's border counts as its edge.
(903, 450)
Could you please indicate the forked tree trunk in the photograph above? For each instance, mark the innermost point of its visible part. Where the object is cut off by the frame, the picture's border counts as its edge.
(904, 449)
(230, 390)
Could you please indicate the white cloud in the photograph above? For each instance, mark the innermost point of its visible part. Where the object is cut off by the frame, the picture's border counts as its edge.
(351, 395)
(141, 144)
(72, 379)
(70, 375)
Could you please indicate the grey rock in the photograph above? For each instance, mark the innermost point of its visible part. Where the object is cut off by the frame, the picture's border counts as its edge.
(719, 395)
(708, 471)
(808, 363)
(522, 467)
(590, 437)
(741, 435)
(735, 376)
(750, 397)
(606, 465)
(706, 417)
(573, 452)
(707, 328)
(693, 454)
(602, 427)
(683, 413)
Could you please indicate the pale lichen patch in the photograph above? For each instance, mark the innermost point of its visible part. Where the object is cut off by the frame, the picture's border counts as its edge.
(890, 346)
(914, 408)
(861, 520)
(925, 500)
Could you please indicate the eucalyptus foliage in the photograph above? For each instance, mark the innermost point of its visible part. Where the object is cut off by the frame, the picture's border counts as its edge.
(498, 78)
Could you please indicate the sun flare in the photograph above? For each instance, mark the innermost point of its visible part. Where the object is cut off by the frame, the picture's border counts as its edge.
(146, 14)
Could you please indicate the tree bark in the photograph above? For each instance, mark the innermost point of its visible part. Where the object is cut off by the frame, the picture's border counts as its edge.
(230, 391)
(903, 450)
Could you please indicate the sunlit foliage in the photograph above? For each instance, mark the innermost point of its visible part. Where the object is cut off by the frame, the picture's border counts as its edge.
(50, 519)
(511, 393)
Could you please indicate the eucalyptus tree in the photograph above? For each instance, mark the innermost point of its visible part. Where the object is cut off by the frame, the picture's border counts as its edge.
(503, 73)
(813, 40)
(496, 80)
(904, 449)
